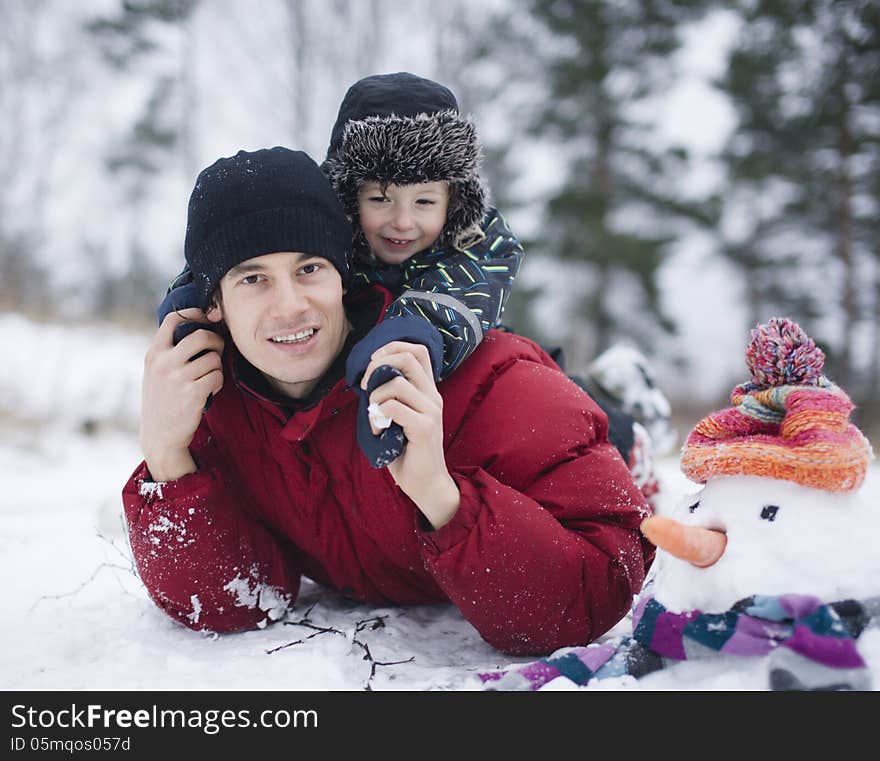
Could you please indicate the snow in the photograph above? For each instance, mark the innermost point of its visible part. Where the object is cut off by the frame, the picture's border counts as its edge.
(378, 420)
(76, 616)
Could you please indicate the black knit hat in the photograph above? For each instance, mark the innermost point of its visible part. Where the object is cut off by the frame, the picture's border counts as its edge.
(262, 202)
(403, 129)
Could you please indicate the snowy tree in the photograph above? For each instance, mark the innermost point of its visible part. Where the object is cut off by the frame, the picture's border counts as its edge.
(38, 74)
(147, 41)
(614, 211)
(801, 216)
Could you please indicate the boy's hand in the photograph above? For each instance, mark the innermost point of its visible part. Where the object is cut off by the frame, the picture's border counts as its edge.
(382, 449)
(175, 388)
(413, 402)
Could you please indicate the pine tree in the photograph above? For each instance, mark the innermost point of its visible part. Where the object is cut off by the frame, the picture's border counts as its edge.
(802, 163)
(40, 74)
(158, 141)
(617, 209)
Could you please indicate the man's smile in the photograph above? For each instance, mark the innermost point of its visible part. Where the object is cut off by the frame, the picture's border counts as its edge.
(298, 337)
(297, 341)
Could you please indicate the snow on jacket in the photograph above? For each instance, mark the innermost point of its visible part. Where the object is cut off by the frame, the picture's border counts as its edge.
(544, 550)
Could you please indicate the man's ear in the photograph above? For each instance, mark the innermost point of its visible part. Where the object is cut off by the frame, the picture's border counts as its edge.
(214, 312)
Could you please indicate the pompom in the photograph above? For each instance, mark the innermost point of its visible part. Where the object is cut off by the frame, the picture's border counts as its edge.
(780, 353)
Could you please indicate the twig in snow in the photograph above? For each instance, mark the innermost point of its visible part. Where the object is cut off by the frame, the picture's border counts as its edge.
(127, 557)
(370, 624)
(374, 664)
(305, 622)
(378, 622)
(81, 586)
(318, 629)
(282, 647)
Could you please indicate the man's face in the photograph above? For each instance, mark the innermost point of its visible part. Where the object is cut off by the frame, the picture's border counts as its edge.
(285, 315)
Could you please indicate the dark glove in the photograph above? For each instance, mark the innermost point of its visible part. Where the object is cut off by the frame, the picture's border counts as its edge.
(387, 446)
(183, 297)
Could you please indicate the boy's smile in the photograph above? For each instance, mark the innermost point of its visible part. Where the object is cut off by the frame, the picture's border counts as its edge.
(401, 220)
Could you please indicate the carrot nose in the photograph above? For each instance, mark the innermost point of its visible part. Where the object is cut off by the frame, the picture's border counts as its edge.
(699, 546)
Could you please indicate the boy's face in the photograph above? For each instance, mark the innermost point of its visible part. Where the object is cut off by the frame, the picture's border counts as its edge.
(403, 219)
(285, 315)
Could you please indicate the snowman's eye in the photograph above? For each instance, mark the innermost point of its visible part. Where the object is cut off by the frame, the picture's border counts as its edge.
(692, 508)
(768, 512)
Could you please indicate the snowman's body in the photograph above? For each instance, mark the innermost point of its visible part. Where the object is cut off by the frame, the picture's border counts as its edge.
(782, 538)
(788, 546)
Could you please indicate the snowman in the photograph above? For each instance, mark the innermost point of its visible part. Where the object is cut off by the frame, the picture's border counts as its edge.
(773, 558)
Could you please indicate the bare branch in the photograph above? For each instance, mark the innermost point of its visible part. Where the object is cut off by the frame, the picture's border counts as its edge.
(282, 647)
(367, 624)
(81, 586)
(378, 623)
(304, 621)
(127, 556)
(368, 656)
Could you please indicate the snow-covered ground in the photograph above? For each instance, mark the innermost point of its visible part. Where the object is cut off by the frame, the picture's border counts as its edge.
(76, 617)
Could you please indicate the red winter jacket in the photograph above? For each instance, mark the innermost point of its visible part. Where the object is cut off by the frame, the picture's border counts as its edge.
(544, 551)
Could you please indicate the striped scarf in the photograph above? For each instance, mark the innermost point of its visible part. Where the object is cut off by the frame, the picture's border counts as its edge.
(810, 645)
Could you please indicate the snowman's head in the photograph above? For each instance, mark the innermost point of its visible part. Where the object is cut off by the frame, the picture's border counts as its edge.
(778, 537)
(780, 469)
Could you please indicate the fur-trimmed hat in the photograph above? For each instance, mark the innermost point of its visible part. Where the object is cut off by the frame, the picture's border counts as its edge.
(403, 129)
(788, 422)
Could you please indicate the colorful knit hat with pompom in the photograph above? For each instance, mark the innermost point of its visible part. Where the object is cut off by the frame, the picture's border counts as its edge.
(788, 422)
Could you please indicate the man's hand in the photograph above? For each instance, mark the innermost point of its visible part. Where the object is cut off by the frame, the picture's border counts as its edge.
(174, 394)
(413, 402)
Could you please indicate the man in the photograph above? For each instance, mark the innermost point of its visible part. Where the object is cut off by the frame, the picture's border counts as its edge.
(508, 500)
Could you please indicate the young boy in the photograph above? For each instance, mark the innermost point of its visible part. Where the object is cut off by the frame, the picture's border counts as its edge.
(405, 165)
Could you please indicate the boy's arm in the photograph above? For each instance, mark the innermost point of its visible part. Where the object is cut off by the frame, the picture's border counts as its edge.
(461, 293)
